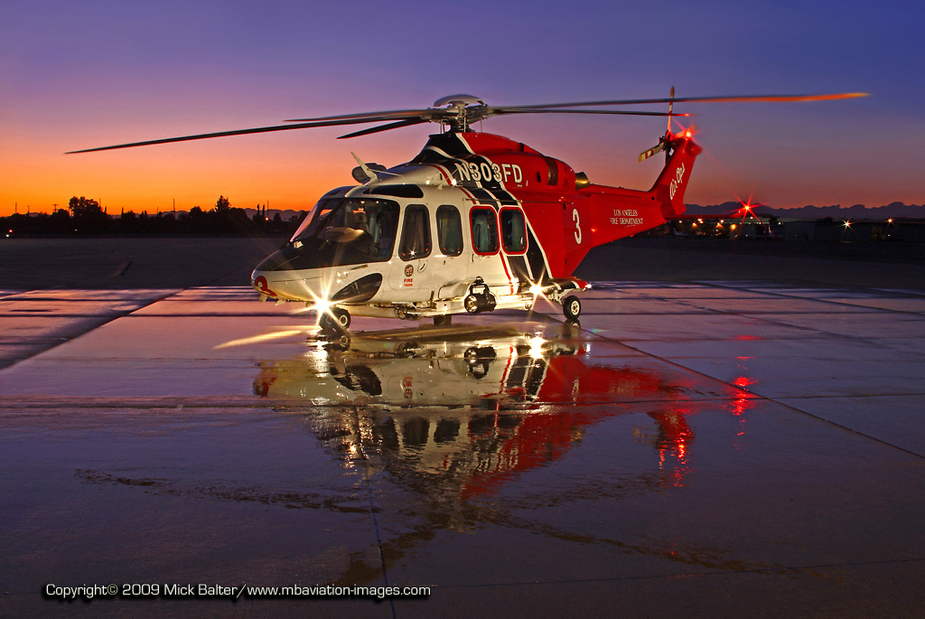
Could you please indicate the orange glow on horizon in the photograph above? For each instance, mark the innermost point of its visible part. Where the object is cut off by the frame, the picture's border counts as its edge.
(155, 182)
(292, 170)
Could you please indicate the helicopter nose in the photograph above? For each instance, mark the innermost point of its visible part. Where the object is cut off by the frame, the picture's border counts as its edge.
(260, 283)
(262, 277)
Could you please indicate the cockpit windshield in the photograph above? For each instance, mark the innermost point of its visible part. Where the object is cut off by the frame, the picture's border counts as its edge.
(353, 230)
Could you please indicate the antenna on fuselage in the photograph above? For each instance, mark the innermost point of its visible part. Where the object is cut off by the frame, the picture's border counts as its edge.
(367, 172)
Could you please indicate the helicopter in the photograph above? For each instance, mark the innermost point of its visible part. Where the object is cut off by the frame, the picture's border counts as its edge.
(476, 222)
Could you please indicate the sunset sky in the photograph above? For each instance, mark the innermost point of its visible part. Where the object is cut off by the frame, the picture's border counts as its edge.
(83, 74)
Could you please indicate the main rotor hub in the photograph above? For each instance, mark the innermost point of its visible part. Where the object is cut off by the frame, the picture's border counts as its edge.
(462, 111)
(461, 101)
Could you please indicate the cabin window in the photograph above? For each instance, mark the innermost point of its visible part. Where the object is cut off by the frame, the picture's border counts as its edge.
(513, 231)
(449, 230)
(415, 236)
(484, 230)
(383, 226)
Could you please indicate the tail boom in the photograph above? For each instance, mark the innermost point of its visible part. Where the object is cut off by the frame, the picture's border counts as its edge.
(617, 212)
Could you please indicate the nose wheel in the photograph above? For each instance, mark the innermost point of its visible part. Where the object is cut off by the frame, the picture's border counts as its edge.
(571, 307)
(335, 321)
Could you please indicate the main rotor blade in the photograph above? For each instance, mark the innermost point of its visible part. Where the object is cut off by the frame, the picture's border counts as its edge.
(387, 115)
(724, 99)
(498, 111)
(222, 134)
(397, 125)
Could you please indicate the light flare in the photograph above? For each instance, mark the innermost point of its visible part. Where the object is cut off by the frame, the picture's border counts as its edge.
(538, 291)
(256, 339)
(536, 347)
(320, 304)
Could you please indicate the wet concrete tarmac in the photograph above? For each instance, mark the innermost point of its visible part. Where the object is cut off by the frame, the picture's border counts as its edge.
(714, 448)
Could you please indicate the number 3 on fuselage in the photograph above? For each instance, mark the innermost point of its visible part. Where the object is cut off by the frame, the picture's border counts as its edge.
(577, 220)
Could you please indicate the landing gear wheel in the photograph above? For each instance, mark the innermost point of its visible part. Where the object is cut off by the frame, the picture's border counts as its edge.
(336, 321)
(571, 307)
(443, 321)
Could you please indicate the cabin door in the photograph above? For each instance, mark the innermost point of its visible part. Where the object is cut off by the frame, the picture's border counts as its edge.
(412, 275)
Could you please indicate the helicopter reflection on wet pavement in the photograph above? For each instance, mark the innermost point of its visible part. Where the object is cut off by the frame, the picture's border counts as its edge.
(478, 409)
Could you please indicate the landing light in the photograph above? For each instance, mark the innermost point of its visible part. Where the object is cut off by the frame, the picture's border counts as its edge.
(322, 306)
(317, 304)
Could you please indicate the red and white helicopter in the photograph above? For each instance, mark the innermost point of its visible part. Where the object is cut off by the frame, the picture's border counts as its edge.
(475, 222)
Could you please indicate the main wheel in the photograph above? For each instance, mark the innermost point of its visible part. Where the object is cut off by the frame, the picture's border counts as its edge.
(571, 307)
(337, 321)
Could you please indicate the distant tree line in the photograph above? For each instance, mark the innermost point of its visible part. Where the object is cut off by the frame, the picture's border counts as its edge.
(85, 216)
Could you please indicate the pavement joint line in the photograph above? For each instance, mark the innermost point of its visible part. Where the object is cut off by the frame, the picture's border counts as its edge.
(115, 316)
(109, 318)
(859, 395)
(844, 427)
(767, 398)
(778, 293)
(810, 329)
(372, 510)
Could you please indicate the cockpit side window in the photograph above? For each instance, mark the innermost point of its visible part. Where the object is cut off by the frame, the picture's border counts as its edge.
(449, 230)
(318, 212)
(415, 235)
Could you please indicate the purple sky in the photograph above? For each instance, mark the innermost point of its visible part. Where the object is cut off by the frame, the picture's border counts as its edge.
(83, 74)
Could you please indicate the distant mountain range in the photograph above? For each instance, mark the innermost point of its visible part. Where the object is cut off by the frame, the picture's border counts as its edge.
(858, 211)
(284, 215)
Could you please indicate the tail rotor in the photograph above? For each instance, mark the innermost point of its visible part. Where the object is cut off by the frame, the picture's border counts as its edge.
(665, 139)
